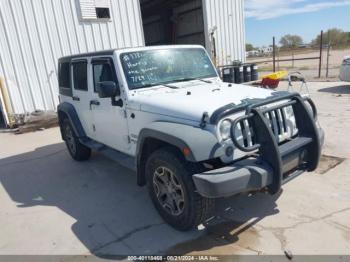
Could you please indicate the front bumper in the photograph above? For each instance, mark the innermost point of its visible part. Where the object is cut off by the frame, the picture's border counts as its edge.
(243, 176)
(275, 165)
(247, 175)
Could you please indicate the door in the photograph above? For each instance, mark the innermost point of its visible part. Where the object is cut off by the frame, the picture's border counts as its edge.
(82, 94)
(110, 123)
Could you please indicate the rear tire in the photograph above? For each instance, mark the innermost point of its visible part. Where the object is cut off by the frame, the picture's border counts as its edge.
(77, 150)
(172, 190)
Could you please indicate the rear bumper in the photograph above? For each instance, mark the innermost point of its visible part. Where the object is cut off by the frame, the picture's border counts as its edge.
(249, 174)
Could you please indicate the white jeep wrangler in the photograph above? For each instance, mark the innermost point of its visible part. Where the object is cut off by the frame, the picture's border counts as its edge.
(165, 113)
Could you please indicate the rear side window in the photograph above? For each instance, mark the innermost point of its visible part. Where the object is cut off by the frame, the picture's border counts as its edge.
(80, 76)
(63, 79)
(102, 73)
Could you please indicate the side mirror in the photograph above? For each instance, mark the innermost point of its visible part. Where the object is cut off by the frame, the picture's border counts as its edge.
(107, 89)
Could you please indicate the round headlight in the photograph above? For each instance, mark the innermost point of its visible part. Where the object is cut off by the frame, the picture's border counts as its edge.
(225, 129)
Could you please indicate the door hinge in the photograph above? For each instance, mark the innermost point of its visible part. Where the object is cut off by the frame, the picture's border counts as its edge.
(125, 114)
(94, 128)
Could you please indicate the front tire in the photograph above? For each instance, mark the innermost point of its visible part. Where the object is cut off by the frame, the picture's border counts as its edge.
(173, 192)
(77, 150)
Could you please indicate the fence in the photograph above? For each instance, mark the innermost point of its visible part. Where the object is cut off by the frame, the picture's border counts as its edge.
(277, 53)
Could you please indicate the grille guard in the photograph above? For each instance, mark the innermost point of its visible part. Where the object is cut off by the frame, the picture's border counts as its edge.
(266, 142)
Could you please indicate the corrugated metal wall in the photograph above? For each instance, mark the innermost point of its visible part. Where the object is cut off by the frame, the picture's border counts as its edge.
(228, 16)
(35, 33)
(154, 30)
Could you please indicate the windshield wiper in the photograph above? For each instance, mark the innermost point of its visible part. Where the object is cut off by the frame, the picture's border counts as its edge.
(191, 79)
(145, 86)
(158, 84)
(170, 86)
(175, 81)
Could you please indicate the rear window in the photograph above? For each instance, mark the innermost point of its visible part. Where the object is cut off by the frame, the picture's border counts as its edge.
(63, 79)
(80, 76)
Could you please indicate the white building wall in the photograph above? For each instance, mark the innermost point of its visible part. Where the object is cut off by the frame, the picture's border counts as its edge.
(35, 33)
(228, 16)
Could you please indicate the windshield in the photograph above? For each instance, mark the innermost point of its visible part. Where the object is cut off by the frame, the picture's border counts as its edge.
(163, 66)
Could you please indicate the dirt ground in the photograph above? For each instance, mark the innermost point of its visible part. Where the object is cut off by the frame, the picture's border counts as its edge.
(308, 67)
(51, 205)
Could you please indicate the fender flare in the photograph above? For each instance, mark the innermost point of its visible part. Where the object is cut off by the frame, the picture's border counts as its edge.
(202, 143)
(164, 137)
(69, 110)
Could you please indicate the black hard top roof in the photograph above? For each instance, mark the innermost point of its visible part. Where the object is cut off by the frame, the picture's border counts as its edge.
(111, 51)
(98, 53)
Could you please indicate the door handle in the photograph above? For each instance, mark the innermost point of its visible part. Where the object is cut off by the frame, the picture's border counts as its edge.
(75, 98)
(94, 102)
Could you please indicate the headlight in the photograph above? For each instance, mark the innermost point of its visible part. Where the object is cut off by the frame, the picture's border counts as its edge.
(225, 129)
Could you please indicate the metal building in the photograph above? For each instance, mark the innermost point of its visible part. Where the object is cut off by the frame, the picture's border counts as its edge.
(35, 33)
(216, 24)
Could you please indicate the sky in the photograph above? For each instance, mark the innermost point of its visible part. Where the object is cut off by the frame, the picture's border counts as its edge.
(268, 18)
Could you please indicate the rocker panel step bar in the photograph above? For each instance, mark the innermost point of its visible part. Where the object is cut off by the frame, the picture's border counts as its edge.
(115, 155)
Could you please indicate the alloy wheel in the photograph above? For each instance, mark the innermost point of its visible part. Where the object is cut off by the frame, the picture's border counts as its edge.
(169, 191)
(70, 139)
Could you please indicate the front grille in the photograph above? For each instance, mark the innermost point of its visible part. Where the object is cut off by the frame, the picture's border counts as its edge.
(281, 121)
(246, 133)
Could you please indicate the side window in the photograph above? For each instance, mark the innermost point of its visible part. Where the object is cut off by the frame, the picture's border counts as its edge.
(80, 76)
(63, 79)
(103, 13)
(103, 72)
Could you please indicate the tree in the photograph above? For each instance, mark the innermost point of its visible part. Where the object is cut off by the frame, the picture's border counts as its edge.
(334, 36)
(249, 47)
(289, 41)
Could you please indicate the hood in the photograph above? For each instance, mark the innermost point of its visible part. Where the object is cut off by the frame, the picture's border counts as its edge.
(194, 98)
